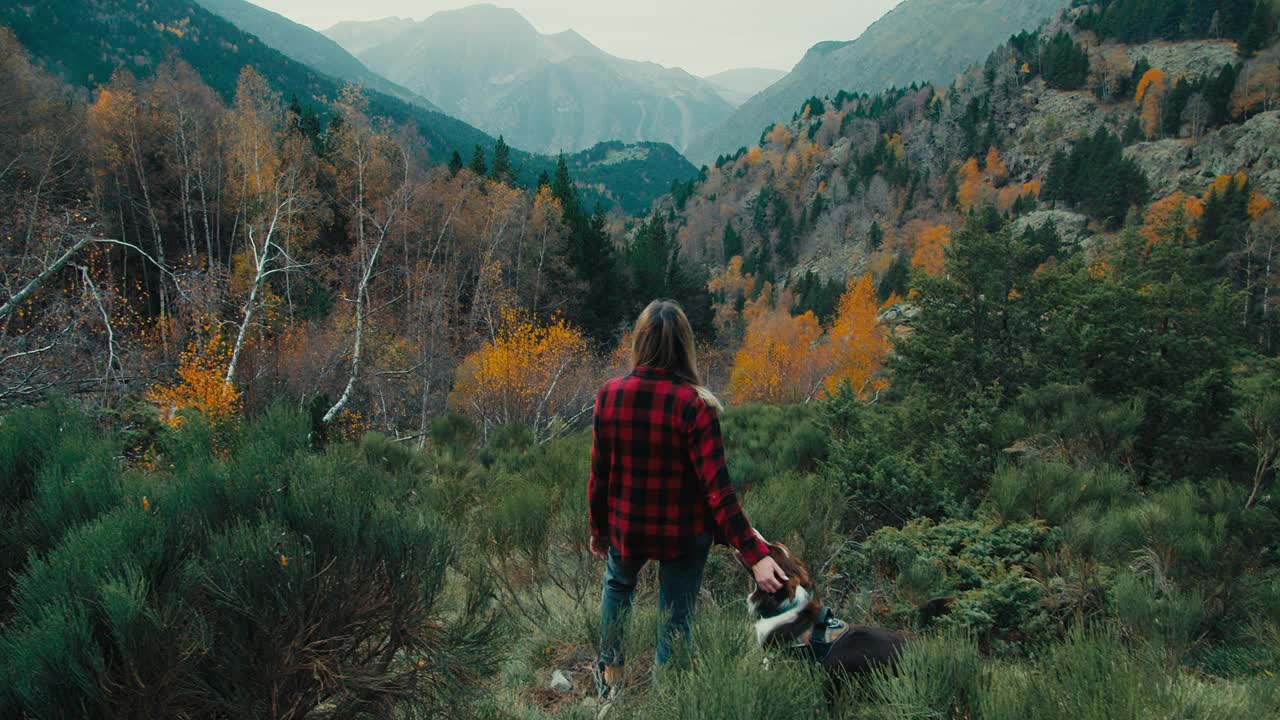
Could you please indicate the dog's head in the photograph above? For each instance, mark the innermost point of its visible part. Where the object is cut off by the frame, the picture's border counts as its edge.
(798, 586)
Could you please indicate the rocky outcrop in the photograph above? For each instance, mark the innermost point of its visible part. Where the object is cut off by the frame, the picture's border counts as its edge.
(1072, 227)
(1192, 59)
(1252, 147)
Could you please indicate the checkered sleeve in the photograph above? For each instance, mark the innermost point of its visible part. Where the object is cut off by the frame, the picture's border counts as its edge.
(707, 450)
(598, 483)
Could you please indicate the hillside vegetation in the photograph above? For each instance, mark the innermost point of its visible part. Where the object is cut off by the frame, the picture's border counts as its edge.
(86, 42)
(296, 425)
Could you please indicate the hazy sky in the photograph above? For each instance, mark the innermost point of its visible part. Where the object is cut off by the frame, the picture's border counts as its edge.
(701, 36)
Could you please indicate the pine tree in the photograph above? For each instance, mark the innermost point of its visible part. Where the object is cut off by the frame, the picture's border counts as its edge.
(501, 161)
(732, 242)
(455, 164)
(478, 165)
(875, 236)
(1261, 27)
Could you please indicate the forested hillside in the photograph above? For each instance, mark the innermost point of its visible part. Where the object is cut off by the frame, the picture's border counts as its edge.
(295, 422)
(87, 41)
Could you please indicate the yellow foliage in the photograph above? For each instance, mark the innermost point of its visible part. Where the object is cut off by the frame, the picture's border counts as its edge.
(1149, 99)
(928, 257)
(972, 189)
(858, 343)
(201, 386)
(776, 363)
(754, 156)
(996, 169)
(514, 377)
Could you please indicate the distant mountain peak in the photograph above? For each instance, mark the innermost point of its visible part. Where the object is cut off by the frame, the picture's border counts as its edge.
(547, 92)
(918, 40)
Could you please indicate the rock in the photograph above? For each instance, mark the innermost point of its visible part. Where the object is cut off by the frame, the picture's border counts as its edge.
(1192, 59)
(1253, 147)
(1072, 227)
(560, 682)
(899, 314)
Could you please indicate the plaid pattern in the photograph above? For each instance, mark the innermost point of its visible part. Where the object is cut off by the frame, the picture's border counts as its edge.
(658, 476)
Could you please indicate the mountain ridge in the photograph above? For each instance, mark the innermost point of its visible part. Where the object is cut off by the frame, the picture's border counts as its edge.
(545, 92)
(309, 47)
(908, 44)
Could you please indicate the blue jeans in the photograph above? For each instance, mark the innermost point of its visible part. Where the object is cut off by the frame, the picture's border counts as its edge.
(679, 581)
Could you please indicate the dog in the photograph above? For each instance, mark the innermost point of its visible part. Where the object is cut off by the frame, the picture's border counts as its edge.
(792, 618)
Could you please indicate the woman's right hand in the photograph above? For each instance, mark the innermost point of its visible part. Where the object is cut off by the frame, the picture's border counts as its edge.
(600, 547)
(768, 575)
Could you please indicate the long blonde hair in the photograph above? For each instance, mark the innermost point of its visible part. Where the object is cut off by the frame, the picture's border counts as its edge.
(663, 339)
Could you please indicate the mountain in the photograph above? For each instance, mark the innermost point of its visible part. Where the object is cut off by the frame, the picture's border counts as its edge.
(738, 85)
(308, 47)
(85, 41)
(917, 41)
(547, 93)
(360, 35)
(875, 183)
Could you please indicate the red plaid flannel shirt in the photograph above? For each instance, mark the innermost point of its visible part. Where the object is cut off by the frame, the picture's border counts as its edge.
(658, 476)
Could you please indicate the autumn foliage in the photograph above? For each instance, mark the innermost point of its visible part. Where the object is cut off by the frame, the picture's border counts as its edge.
(201, 387)
(778, 362)
(1149, 99)
(786, 358)
(1172, 219)
(858, 344)
(530, 373)
(928, 257)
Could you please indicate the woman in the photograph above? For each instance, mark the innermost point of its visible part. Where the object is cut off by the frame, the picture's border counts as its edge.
(659, 489)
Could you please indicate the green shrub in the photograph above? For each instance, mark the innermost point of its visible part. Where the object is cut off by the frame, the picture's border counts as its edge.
(804, 511)
(764, 441)
(985, 569)
(728, 678)
(260, 580)
(1055, 491)
(936, 677)
(454, 430)
(1069, 423)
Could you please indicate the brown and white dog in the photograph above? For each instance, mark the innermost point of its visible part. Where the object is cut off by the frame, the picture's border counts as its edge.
(793, 618)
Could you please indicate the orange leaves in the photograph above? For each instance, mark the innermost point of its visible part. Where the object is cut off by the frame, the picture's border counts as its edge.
(1172, 219)
(928, 257)
(1259, 204)
(975, 186)
(785, 359)
(1149, 99)
(778, 137)
(1154, 76)
(201, 386)
(858, 343)
(777, 361)
(754, 156)
(970, 183)
(519, 375)
(996, 169)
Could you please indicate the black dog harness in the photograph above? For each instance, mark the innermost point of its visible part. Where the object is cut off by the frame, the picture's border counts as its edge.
(826, 630)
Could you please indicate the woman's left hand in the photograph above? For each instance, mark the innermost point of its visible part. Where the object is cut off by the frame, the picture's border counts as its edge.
(600, 547)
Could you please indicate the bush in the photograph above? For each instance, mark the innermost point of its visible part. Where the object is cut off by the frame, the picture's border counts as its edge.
(259, 581)
(764, 441)
(985, 569)
(936, 677)
(804, 511)
(727, 678)
(1056, 492)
